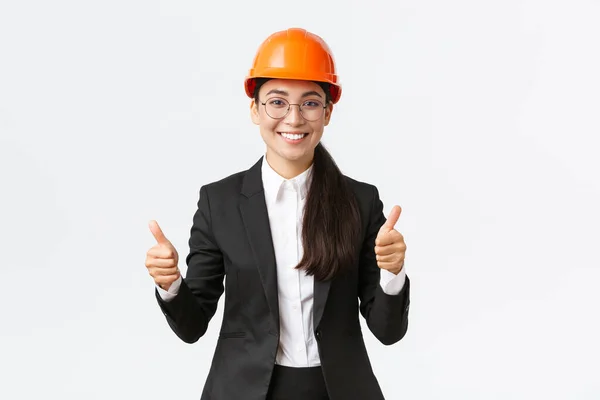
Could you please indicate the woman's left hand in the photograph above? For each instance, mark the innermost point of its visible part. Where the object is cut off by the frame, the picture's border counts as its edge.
(389, 244)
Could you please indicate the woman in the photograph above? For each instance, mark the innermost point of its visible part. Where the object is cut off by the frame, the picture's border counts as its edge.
(299, 244)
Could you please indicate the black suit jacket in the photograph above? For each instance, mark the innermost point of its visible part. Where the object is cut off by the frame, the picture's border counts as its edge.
(230, 237)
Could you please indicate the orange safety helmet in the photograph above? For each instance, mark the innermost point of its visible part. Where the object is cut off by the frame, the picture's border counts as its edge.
(294, 54)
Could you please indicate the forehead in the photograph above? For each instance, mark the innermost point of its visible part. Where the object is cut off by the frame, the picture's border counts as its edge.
(291, 86)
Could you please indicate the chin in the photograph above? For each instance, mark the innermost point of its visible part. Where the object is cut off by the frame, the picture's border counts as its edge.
(292, 155)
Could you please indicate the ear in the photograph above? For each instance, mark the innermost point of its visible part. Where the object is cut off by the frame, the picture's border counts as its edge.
(254, 115)
(328, 112)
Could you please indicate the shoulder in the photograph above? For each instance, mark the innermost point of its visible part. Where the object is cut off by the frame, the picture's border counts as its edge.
(363, 190)
(366, 195)
(223, 194)
(230, 183)
(369, 203)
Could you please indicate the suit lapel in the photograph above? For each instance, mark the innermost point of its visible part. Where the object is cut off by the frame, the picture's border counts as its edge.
(321, 292)
(256, 221)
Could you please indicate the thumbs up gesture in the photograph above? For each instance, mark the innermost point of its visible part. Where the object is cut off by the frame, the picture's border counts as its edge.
(390, 248)
(162, 259)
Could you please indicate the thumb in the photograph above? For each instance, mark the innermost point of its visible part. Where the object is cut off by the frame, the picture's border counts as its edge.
(392, 219)
(157, 233)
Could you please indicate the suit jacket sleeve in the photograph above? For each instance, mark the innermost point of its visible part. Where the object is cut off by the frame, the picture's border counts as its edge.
(191, 310)
(386, 315)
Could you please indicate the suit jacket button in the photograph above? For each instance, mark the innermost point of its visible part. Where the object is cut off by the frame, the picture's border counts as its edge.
(318, 334)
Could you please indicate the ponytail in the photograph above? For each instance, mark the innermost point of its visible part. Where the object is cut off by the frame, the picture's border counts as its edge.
(331, 221)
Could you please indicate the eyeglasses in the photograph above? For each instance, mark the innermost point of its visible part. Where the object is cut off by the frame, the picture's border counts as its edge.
(278, 108)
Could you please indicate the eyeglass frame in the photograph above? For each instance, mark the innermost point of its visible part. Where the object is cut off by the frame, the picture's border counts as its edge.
(290, 107)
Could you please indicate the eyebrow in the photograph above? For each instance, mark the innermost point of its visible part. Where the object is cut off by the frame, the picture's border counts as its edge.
(284, 93)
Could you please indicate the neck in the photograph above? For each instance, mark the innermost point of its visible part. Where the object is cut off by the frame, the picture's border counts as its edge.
(288, 169)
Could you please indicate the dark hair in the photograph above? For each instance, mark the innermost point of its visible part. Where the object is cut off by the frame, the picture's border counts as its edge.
(331, 220)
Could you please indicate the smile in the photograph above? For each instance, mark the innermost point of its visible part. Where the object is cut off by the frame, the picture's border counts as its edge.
(292, 137)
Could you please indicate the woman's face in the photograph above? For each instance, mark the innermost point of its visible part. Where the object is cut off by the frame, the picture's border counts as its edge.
(282, 148)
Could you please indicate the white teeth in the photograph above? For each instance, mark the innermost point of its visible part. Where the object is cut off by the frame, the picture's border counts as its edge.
(293, 136)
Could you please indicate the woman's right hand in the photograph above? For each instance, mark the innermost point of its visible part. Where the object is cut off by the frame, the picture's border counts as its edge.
(162, 259)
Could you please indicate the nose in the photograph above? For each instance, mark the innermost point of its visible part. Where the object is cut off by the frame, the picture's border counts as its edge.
(294, 116)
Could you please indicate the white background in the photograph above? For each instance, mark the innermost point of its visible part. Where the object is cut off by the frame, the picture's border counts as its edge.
(480, 119)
